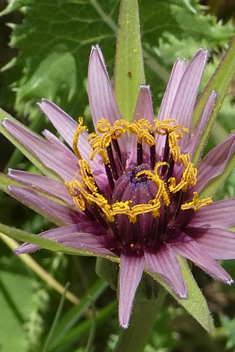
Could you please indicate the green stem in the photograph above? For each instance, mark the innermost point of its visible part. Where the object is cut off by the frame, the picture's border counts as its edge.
(142, 319)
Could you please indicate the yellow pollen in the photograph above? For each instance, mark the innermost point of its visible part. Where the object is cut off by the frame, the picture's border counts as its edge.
(79, 130)
(100, 143)
(142, 129)
(196, 204)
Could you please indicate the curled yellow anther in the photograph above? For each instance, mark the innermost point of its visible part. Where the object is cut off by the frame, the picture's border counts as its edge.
(99, 143)
(79, 130)
(196, 204)
(143, 130)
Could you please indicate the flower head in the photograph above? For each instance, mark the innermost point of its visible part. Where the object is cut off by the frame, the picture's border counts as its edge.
(130, 189)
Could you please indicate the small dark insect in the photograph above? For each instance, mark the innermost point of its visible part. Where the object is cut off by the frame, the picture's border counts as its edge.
(129, 74)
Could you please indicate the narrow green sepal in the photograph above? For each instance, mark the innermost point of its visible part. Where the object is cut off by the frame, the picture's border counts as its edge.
(219, 82)
(195, 304)
(108, 271)
(129, 68)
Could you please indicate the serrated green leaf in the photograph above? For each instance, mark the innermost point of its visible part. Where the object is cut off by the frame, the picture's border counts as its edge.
(195, 304)
(76, 25)
(14, 5)
(56, 73)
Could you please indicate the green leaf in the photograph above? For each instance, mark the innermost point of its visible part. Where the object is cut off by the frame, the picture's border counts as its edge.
(58, 28)
(74, 315)
(14, 5)
(55, 73)
(108, 271)
(129, 69)
(56, 319)
(16, 302)
(195, 304)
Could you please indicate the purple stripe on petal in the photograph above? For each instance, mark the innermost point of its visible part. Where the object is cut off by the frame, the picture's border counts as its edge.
(63, 123)
(185, 98)
(144, 106)
(59, 145)
(51, 157)
(86, 237)
(173, 84)
(166, 264)
(190, 249)
(102, 100)
(131, 271)
(219, 214)
(43, 184)
(143, 110)
(201, 124)
(215, 162)
(50, 209)
(218, 243)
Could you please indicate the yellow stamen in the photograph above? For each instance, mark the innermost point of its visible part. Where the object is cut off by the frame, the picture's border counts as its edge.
(79, 130)
(84, 191)
(100, 143)
(142, 129)
(196, 204)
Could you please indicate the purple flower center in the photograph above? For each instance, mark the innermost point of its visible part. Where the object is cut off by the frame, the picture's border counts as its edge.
(144, 193)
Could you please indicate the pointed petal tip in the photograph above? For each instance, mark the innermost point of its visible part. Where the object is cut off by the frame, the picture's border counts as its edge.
(124, 326)
(183, 295)
(145, 86)
(95, 47)
(4, 121)
(230, 282)
(204, 51)
(17, 251)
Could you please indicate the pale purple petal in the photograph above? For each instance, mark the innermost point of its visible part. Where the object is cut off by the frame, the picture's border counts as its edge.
(59, 145)
(66, 126)
(144, 105)
(50, 156)
(102, 100)
(87, 237)
(201, 124)
(131, 271)
(218, 243)
(63, 123)
(185, 98)
(143, 110)
(50, 209)
(173, 84)
(219, 214)
(190, 249)
(166, 264)
(41, 183)
(215, 162)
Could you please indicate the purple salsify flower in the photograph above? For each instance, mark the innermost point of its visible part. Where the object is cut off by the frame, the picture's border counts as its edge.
(130, 189)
